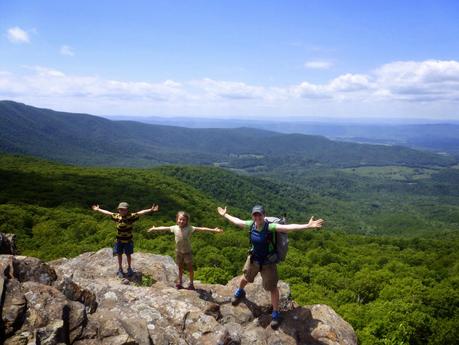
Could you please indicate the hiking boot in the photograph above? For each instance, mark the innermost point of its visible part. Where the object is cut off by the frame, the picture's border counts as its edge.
(120, 274)
(191, 287)
(276, 319)
(238, 296)
(130, 272)
(178, 286)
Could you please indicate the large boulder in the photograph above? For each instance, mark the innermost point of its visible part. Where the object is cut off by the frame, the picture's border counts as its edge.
(87, 304)
(32, 269)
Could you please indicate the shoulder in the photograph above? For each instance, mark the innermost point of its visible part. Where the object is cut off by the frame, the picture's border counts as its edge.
(174, 228)
(272, 226)
(134, 216)
(248, 223)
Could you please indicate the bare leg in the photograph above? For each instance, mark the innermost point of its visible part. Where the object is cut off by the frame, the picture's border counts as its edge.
(180, 274)
(120, 262)
(128, 256)
(190, 270)
(275, 298)
(243, 283)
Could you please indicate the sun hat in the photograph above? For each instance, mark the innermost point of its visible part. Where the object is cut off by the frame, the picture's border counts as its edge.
(123, 205)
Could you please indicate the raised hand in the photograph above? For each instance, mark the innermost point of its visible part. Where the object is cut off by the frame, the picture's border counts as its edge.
(154, 208)
(221, 211)
(95, 207)
(315, 223)
(218, 230)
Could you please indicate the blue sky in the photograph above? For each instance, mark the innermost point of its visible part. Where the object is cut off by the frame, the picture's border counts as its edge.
(233, 58)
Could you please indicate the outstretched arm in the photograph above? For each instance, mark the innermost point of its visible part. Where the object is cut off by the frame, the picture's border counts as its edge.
(153, 208)
(236, 221)
(297, 227)
(159, 228)
(98, 209)
(204, 229)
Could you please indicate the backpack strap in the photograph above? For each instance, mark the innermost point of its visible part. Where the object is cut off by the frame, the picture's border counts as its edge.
(271, 240)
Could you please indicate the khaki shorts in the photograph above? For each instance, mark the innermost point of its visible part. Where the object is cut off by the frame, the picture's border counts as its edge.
(268, 274)
(182, 259)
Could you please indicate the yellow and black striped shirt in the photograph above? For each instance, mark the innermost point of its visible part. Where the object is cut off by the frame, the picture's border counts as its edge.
(124, 226)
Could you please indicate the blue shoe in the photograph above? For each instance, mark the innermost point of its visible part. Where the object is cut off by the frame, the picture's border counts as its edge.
(238, 296)
(276, 319)
(130, 272)
(120, 274)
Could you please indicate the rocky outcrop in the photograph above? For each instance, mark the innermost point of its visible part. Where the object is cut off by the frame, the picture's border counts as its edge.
(80, 301)
(8, 244)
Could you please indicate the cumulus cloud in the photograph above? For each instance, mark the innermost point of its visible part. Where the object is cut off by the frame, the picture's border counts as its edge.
(17, 35)
(318, 64)
(431, 85)
(47, 82)
(66, 51)
(349, 82)
(423, 81)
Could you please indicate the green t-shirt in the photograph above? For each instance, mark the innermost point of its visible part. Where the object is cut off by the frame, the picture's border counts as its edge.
(271, 227)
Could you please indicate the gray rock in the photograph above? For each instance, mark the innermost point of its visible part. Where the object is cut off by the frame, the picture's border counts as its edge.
(33, 269)
(49, 311)
(8, 244)
(13, 308)
(123, 314)
(74, 292)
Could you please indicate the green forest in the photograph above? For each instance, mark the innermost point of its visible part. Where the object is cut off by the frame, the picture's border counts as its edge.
(387, 260)
(95, 141)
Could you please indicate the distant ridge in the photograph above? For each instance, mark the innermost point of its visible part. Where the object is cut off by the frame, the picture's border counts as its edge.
(417, 133)
(91, 140)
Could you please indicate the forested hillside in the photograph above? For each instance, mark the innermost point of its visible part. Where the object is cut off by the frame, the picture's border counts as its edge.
(90, 140)
(439, 136)
(393, 290)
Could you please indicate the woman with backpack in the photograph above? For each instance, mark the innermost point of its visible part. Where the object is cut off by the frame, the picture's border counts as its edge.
(261, 253)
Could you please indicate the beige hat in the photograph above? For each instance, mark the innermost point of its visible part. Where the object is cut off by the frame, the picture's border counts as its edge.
(123, 205)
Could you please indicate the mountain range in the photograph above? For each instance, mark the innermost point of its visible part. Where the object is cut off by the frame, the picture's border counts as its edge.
(437, 136)
(91, 140)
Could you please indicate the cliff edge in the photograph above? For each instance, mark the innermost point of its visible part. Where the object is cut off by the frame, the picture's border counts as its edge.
(80, 301)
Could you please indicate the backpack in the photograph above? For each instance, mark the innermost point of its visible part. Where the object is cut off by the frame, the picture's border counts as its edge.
(279, 241)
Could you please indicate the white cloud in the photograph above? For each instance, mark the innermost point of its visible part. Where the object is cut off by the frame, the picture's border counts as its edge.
(428, 80)
(318, 64)
(18, 35)
(67, 51)
(425, 87)
(308, 90)
(349, 82)
(47, 82)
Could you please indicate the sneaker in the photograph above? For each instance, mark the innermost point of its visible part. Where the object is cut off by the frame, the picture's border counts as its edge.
(130, 272)
(178, 286)
(191, 287)
(238, 296)
(120, 274)
(276, 319)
